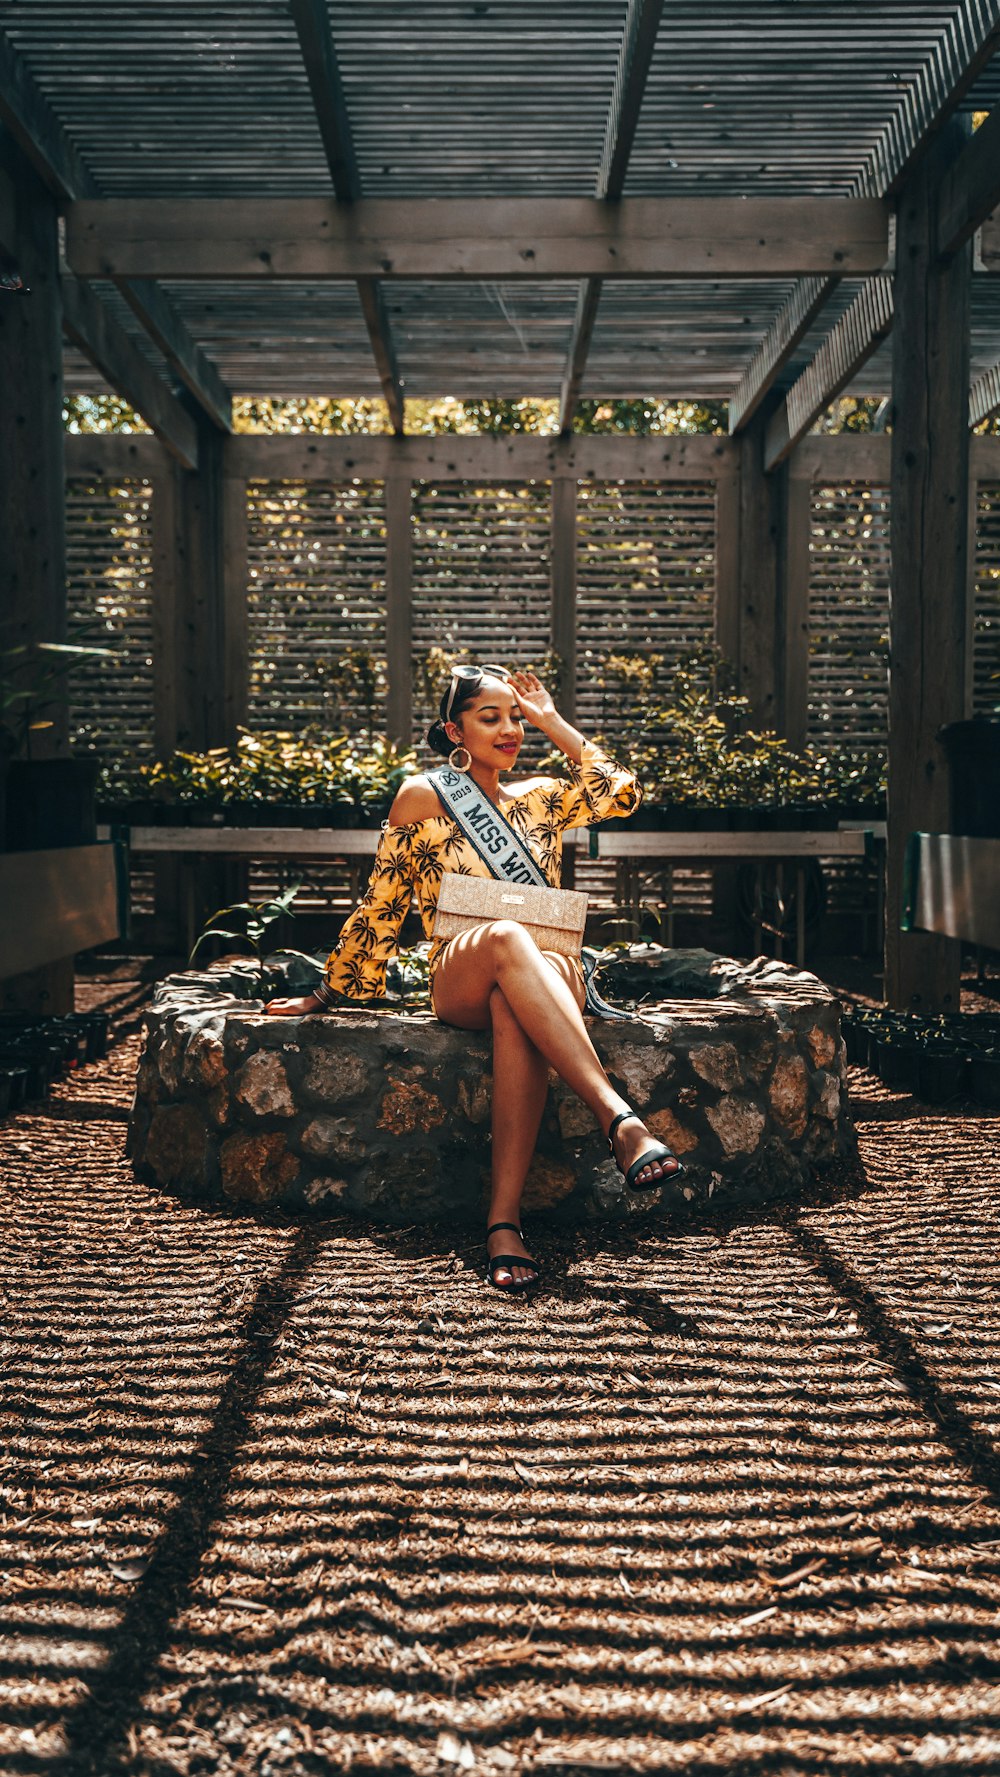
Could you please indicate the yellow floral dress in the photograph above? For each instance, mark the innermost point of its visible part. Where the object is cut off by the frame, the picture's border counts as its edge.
(412, 859)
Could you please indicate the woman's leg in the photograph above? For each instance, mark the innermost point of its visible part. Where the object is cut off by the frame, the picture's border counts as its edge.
(520, 1084)
(545, 1003)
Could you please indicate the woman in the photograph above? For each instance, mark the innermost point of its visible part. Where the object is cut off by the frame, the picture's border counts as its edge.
(495, 976)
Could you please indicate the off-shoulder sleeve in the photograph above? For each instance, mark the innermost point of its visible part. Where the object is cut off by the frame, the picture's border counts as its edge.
(599, 789)
(370, 936)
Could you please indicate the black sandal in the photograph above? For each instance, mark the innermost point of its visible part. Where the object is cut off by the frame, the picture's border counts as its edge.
(507, 1261)
(652, 1154)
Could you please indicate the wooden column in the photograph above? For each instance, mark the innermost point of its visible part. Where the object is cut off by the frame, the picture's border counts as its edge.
(928, 605)
(399, 607)
(200, 664)
(32, 492)
(793, 611)
(758, 574)
(562, 559)
(727, 566)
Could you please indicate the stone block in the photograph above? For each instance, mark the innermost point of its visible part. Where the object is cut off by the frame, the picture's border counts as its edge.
(262, 1086)
(738, 1123)
(719, 1064)
(548, 1183)
(257, 1168)
(332, 1077)
(329, 1138)
(475, 1098)
(822, 1045)
(789, 1094)
(666, 1128)
(407, 1107)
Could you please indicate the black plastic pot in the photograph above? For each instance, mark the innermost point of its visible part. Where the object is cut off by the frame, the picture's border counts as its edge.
(984, 1078)
(855, 1040)
(973, 750)
(940, 1073)
(898, 1064)
(51, 803)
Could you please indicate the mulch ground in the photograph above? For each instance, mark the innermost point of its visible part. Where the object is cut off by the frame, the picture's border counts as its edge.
(295, 1497)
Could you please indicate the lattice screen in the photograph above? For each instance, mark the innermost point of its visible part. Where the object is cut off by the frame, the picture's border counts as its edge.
(986, 659)
(645, 580)
(108, 578)
(316, 559)
(849, 615)
(480, 579)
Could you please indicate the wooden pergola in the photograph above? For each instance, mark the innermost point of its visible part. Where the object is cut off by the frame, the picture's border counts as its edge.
(750, 201)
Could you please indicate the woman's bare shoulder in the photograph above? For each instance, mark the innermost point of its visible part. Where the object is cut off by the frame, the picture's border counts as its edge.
(414, 801)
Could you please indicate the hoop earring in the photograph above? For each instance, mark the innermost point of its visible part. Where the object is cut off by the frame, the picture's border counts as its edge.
(452, 760)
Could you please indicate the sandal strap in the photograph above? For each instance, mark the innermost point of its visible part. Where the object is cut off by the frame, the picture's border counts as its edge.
(622, 1117)
(514, 1229)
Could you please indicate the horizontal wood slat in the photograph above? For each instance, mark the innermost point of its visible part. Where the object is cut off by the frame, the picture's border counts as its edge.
(645, 585)
(109, 581)
(316, 585)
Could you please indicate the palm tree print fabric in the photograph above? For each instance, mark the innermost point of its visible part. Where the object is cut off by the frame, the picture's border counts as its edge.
(411, 860)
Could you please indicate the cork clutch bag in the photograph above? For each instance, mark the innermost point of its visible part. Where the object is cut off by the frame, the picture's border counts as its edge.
(554, 918)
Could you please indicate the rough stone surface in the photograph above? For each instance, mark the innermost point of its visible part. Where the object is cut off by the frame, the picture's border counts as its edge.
(262, 1086)
(386, 1113)
(257, 1168)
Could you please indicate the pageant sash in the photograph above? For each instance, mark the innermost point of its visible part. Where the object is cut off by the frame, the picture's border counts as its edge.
(504, 852)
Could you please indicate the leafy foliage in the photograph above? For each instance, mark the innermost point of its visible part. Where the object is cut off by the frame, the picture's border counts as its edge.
(276, 768)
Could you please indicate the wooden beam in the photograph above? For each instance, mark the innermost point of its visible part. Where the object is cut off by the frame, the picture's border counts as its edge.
(399, 609)
(119, 360)
(486, 457)
(929, 630)
(781, 341)
(121, 454)
(473, 239)
(833, 459)
(164, 326)
(588, 299)
(312, 23)
(319, 53)
(864, 326)
(373, 308)
(635, 55)
(27, 114)
(760, 532)
(971, 190)
(984, 397)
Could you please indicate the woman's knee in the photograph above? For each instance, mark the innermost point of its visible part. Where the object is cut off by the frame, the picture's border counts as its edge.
(508, 940)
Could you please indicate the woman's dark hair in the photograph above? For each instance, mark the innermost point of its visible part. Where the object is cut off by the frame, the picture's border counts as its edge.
(466, 690)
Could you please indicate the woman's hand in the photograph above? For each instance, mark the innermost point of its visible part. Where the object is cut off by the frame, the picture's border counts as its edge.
(534, 700)
(295, 1008)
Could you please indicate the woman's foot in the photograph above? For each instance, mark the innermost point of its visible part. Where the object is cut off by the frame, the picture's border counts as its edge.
(630, 1140)
(505, 1238)
(295, 1008)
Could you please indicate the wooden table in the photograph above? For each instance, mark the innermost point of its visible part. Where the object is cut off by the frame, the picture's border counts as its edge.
(627, 846)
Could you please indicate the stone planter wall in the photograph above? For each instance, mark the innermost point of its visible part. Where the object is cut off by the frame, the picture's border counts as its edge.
(387, 1113)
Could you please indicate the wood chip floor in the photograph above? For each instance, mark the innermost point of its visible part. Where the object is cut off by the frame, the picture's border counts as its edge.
(283, 1498)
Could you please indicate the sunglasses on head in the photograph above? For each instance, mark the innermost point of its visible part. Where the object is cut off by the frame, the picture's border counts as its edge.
(471, 672)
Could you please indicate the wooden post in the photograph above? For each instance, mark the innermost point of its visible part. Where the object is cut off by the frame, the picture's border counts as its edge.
(199, 646)
(727, 566)
(399, 607)
(793, 612)
(32, 491)
(562, 560)
(760, 532)
(928, 604)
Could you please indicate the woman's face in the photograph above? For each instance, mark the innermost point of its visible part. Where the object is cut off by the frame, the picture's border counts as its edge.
(492, 727)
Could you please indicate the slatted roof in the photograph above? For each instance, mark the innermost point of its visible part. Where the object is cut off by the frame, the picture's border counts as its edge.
(474, 98)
